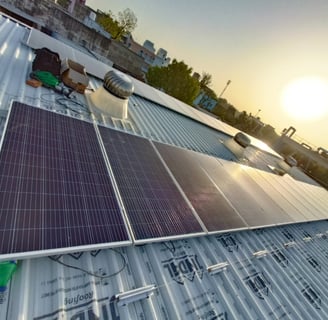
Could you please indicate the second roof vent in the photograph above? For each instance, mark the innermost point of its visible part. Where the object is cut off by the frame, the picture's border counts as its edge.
(112, 98)
(238, 144)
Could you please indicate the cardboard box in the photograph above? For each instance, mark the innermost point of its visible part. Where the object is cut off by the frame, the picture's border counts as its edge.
(74, 75)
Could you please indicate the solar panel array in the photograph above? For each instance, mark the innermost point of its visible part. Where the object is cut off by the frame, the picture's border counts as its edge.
(65, 185)
(227, 195)
(55, 191)
(154, 205)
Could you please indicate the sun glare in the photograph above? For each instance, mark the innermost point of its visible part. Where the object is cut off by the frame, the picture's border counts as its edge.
(306, 98)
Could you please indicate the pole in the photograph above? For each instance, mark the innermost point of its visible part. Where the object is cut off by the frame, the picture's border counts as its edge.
(225, 88)
(258, 111)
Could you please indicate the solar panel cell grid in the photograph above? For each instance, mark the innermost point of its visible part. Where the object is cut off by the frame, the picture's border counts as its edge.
(55, 191)
(154, 205)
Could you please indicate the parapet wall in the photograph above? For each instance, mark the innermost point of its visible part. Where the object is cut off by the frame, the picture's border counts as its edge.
(58, 20)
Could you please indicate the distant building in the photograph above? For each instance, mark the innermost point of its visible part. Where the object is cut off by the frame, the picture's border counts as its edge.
(73, 3)
(149, 46)
(311, 159)
(204, 101)
(161, 59)
(147, 52)
(144, 52)
(90, 21)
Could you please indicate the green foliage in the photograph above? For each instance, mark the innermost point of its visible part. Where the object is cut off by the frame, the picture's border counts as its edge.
(125, 23)
(229, 116)
(210, 93)
(64, 3)
(176, 80)
(205, 81)
(108, 22)
(268, 134)
(219, 111)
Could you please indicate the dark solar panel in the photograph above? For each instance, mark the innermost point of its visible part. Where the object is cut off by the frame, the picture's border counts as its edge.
(211, 206)
(154, 205)
(55, 191)
(246, 196)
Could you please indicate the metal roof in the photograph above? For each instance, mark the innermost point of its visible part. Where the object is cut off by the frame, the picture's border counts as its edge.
(271, 273)
(288, 281)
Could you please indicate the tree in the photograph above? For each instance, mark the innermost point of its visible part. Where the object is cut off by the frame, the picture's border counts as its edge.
(205, 81)
(125, 24)
(268, 134)
(176, 80)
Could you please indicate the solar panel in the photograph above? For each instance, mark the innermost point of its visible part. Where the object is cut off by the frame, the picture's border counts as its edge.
(188, 168)
(288, 193)
(244, 176)
(153, 203)
(313, 206)
(247, 197)
(269, 183)
(55, 191)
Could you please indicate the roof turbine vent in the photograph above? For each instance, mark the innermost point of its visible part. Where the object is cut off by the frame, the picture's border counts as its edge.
(238, 144)
(112, 98)
(118, 84)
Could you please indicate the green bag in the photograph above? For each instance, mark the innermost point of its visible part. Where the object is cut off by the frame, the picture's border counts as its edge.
(6, 271)
(47, 78)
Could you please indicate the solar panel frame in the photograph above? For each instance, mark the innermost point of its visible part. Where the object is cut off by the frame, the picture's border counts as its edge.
(41, 207)
(162, 194)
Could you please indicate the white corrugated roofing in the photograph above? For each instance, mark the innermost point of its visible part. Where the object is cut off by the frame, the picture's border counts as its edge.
(288, 282)
(272, 273)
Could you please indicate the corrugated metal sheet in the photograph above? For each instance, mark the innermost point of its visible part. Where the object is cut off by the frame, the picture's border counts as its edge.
(287, 281)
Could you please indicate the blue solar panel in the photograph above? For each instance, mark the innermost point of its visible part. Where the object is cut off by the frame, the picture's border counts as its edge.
(154, 205)
(55, 191)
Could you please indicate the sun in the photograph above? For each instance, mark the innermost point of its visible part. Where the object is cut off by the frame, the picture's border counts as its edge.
(306, 98)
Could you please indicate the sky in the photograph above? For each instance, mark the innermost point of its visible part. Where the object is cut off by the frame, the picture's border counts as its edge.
(260, 45)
